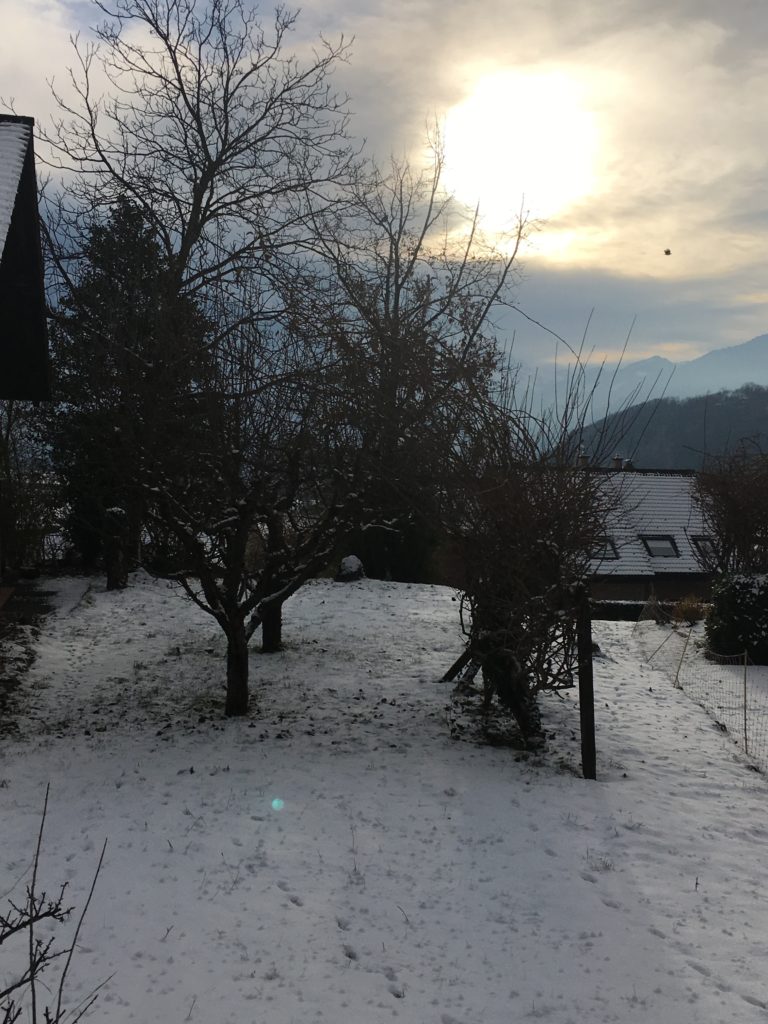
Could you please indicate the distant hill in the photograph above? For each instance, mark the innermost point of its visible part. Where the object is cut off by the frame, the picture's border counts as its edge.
(724, 369)
(673, 433)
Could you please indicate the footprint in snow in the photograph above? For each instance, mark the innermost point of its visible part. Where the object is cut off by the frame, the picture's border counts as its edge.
(700, 968)
(613, 904)
(754, 1002)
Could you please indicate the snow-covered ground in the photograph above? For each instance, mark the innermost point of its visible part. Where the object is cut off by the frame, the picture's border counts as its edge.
(339, 858)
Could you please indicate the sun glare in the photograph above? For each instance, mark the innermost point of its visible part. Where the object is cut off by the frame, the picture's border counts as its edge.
(521, 139)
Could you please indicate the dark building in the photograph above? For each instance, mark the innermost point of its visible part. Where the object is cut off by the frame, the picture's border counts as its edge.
(23, 336)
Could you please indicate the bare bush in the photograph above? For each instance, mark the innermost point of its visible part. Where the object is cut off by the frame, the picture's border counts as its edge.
(20, 922)
(732, 492)
(527, 519)
(689, 609)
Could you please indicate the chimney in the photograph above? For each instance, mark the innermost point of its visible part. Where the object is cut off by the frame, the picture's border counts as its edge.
(618, 462)
(583, 460)
(628, 465)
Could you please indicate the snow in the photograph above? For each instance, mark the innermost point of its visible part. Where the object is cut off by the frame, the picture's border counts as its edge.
(14, 142)
(350, 568)
(337, 857)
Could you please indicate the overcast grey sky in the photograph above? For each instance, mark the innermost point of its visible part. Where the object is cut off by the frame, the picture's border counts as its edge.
(630, 126)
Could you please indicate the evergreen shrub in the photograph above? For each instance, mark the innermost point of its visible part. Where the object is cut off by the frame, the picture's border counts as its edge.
(738, 617)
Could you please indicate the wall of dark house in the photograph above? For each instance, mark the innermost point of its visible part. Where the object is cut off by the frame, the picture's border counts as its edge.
(641, 588)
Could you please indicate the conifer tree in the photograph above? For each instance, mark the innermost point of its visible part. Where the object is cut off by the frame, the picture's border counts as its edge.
(130, 359)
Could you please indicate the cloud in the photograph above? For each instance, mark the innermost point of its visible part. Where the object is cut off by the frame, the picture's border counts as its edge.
(34, 47)
(678, 92)
(679, 319)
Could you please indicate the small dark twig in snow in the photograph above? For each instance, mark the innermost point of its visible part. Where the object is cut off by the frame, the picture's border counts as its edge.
(71, 950)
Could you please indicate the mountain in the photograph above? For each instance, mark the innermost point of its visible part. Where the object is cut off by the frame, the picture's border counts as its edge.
(677, 433)
(723, 369)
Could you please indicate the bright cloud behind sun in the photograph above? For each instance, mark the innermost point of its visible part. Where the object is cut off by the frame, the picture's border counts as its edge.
(641, 142)
(521, 139)
(627, 128)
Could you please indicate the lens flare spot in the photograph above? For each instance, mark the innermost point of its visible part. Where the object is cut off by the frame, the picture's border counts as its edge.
(278, 804)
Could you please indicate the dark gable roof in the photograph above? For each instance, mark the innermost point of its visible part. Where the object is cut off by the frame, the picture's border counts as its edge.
(652, 503)
(23, 335)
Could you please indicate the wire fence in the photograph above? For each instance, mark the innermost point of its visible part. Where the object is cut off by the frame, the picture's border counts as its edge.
(730, 687)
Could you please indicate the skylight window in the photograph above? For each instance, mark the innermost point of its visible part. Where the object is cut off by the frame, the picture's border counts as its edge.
(605, 550)
(660, 545)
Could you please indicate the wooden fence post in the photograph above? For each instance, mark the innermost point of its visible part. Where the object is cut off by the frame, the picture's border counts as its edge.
(678, 684)
(586, 687)
(746, 723)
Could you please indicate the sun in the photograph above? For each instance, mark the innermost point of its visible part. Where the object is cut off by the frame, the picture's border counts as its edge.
(521, 139)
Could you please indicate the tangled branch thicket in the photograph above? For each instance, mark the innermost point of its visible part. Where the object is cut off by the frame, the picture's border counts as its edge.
(732, 493)
(20, 926)
(527, 520)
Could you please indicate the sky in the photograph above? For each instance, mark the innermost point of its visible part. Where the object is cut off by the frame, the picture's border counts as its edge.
(625, 129)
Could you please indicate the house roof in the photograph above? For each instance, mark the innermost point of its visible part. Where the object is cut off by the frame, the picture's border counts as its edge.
(651, 504)
(14, 142)
(23, 332)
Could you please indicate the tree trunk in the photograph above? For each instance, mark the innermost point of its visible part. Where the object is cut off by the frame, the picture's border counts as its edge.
(237, 671)
(272, 629)
(117, 574)
(115, 537)
(133, 538)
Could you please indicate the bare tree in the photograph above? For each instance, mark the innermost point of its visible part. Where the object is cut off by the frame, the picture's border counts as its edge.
(732, 493)
(416, 291)
(211, 127)
(256, 502)
(223, 140)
